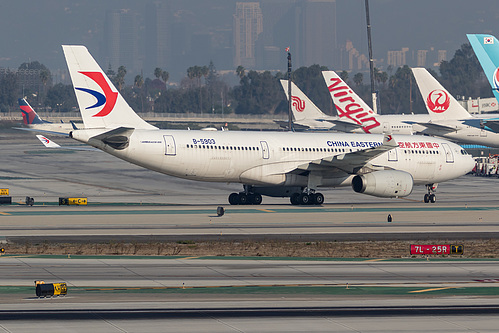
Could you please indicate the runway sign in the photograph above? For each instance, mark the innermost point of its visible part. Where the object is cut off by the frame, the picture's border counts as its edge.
(72, 201)
(437, 249)
(4, 191)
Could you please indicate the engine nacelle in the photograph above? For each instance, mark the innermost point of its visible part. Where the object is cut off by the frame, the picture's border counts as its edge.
(387, 183)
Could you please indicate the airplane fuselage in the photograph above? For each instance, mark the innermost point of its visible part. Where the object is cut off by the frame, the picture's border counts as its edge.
(268, 158)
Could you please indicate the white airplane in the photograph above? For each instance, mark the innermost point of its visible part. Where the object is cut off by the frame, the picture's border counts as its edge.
(34, 123)
(280, 164)
(448, 118)
(354, 115)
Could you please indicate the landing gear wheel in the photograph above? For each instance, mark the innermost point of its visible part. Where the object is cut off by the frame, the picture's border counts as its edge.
(426, 198)
(294, 198)
(234, 199)
(255, 199)
(433, 198)
(243, 198)
(318, 199)
(304, 199)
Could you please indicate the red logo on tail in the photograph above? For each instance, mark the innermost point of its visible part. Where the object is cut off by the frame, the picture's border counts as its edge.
(438, 101)
(298, 103)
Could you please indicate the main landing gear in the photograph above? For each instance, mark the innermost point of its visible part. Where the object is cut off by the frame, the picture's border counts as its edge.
(242, 198)
(307, 199)
(430, 196)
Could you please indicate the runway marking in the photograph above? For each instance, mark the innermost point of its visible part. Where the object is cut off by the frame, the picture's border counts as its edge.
(374, 260)
(432, 289)
(2, 213)
(189, 258)
(267, 210)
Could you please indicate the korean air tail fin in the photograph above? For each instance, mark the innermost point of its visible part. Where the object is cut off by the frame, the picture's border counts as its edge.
(301, 106)
(486, 48)
(101, 104)
(29, 115)
(441, 105)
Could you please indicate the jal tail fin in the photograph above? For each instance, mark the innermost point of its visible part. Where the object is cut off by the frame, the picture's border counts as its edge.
(486, 48)
(101, 105)
(301, 106)
(441, 105)
(29, 115)
(350, 107)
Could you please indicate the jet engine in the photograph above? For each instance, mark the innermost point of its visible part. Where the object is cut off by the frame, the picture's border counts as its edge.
(386, 183)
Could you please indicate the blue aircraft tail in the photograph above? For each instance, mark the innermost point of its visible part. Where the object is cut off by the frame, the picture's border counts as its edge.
(486, 48)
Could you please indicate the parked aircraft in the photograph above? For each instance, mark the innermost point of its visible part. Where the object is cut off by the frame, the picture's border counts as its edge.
(34, 123)
(281, 164)
(486, 48)
(354, 115)
(448, 118)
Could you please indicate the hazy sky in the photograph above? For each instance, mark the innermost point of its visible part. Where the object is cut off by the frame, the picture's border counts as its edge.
(35, 29)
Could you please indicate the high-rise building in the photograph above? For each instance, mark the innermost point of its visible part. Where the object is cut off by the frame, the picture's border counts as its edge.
(157, 37)
(120, 45)
(316, 39)
(397, 58)
(421, 62)
(247, 25)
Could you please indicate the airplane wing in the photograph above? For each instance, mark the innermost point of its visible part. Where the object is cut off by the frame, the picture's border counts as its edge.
(493, 125)
(66, 134)
(51, 144)
(345, 126)
(439, 127)
(351, 162)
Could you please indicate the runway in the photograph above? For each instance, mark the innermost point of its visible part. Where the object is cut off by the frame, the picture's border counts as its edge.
(217, 295)
(171, 294)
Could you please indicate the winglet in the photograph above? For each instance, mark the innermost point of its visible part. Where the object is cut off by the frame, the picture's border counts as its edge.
(47, 142)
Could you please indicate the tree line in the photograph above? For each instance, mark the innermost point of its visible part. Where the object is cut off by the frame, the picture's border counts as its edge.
(203, 90)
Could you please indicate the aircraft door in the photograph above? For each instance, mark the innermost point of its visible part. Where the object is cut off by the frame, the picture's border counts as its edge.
(449, 157)
(392, 155)
(265, 150)
(387, 128)
(483, 133)
(170, 148)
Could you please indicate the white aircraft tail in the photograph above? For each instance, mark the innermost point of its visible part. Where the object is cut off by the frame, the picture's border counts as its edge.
(349, 105)
(301, 106)
(101, 105)
(440, 104)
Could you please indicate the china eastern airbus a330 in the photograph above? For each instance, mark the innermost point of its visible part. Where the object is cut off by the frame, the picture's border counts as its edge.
(280, 164)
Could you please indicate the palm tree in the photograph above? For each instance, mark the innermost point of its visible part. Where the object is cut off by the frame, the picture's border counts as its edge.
(120, 77)
(165, 76)
(357, 78)
(139, 83)
(240, 71)
(157, 72)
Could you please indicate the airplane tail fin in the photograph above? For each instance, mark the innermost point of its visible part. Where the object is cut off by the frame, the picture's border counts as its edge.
(486, 48)
(301, 106)
(101, 105)
(349, 105)
(29, 115)
(441, 105)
